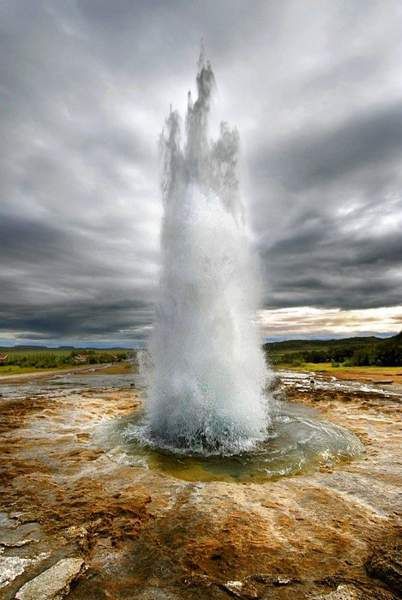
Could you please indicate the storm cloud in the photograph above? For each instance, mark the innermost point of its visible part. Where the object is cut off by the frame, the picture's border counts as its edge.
(85, 86)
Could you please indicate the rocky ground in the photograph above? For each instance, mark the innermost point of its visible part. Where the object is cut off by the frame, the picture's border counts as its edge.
(78, 523)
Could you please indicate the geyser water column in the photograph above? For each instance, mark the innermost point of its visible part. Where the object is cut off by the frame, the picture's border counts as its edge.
(206, 389)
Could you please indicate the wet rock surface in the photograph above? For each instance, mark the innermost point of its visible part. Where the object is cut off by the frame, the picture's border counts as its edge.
(343, 592)
(54, 583)
(143, 534)
(386, 563)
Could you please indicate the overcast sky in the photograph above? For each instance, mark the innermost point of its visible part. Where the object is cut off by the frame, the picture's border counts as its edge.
(315, 89)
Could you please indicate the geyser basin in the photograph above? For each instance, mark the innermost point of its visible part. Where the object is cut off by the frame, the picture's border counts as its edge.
(296, 442)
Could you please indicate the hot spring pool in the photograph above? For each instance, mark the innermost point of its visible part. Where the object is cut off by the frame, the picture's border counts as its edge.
(298, 441)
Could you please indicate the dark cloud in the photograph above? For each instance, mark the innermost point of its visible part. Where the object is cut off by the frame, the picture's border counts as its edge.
(310, 159)
(325, 265)
(70, 319)
(85, 87)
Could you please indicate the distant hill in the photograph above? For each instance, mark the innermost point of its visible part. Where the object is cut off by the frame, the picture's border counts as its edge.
(354, 351)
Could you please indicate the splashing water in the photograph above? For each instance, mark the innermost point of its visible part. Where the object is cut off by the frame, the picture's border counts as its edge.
(206, 388)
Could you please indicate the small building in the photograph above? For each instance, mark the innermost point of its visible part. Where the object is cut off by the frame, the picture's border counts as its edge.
(3, 357)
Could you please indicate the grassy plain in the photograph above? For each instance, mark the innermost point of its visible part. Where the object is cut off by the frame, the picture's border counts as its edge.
(367, 373)
(20, 361)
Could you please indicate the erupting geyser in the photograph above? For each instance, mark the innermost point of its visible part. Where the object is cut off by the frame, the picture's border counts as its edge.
(207, 377)
(206, 390)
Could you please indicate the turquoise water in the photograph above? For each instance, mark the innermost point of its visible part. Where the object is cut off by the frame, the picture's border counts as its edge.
(297, 442)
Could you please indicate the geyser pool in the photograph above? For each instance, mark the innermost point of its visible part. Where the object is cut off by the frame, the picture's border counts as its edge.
(208, 370)
(296, 441)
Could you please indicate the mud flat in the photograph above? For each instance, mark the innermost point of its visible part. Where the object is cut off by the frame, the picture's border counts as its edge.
(97, 527)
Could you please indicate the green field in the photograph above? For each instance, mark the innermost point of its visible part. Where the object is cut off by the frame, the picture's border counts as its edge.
(348, 352)
(367, 353)
(15, 361)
